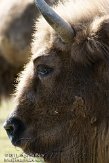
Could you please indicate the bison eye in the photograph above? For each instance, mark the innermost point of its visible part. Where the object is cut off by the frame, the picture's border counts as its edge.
(44, 70)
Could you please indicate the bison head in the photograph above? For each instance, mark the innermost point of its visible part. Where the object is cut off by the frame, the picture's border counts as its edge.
(62, 97)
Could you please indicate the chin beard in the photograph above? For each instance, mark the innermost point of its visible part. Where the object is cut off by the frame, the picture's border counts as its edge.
(35, 149)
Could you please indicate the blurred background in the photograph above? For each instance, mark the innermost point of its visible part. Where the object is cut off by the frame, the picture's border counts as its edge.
(17, 19)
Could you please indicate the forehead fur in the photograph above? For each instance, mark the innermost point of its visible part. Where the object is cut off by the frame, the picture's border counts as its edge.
(77, 13)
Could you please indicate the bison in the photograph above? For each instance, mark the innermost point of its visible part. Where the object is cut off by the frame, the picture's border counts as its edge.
(62, 99)
(17, 20)
(16, 27)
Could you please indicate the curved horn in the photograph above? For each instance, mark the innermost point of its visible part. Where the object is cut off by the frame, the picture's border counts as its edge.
(62, 27)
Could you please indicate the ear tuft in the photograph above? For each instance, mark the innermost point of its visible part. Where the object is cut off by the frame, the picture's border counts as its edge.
(92, 43)
(98, 40)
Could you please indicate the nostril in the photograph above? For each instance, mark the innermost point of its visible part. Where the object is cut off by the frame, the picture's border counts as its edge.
(9, 128)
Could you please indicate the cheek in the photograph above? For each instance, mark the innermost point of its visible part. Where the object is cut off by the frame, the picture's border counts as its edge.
(52, 135)
(46, 137)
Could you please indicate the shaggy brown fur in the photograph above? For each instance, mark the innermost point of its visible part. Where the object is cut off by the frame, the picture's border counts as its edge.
(16, 26)
(66, 111)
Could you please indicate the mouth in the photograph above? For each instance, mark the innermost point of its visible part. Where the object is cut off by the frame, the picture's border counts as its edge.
(31, 146)
(23, 143)
(14, 138)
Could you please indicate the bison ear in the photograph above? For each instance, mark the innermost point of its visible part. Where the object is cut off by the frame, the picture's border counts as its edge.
(100, 27)
(98, 40)
(93, 44)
